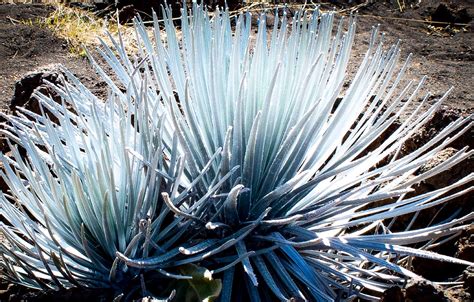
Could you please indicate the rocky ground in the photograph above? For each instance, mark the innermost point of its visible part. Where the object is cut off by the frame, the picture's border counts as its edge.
(442, 51)
(26, 47)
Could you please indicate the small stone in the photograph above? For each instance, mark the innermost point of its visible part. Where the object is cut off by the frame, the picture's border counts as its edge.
(24, 88)
(393, 294)
(424, 291)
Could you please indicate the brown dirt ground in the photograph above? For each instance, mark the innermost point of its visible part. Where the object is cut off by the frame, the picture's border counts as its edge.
(25, 48)
(443, 53)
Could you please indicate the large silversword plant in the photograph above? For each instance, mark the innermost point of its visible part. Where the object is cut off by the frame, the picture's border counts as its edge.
(229, 153)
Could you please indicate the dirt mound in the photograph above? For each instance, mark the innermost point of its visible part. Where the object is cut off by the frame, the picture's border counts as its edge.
(24, 88)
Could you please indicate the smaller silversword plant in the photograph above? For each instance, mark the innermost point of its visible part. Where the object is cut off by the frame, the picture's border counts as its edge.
(241, 156)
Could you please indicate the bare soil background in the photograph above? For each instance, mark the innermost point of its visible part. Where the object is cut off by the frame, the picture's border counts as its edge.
(441, 51)
(444, 54)
(25, 48)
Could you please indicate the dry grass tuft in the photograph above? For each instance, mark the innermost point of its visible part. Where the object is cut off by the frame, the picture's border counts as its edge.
(82, 28)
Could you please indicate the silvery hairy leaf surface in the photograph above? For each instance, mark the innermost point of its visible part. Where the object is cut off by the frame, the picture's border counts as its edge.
(241, 153)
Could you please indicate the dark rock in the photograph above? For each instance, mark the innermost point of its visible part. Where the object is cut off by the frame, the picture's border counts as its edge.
(393, 294)
(24, 88)
(126, 14)
(436, 270)
(462, 205)
(462, 247)
(445, 14)
(422, 291)
(465, 245)
(23, 96)
(147, 6)
(3, 184)
(468, 278)
(439, 121)
(416, 291)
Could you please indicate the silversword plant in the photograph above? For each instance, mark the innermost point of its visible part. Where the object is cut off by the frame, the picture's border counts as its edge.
(237, 153)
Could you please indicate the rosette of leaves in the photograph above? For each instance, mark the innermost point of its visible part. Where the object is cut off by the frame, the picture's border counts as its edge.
(304, 216)
(89, 186)
(267, 162)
